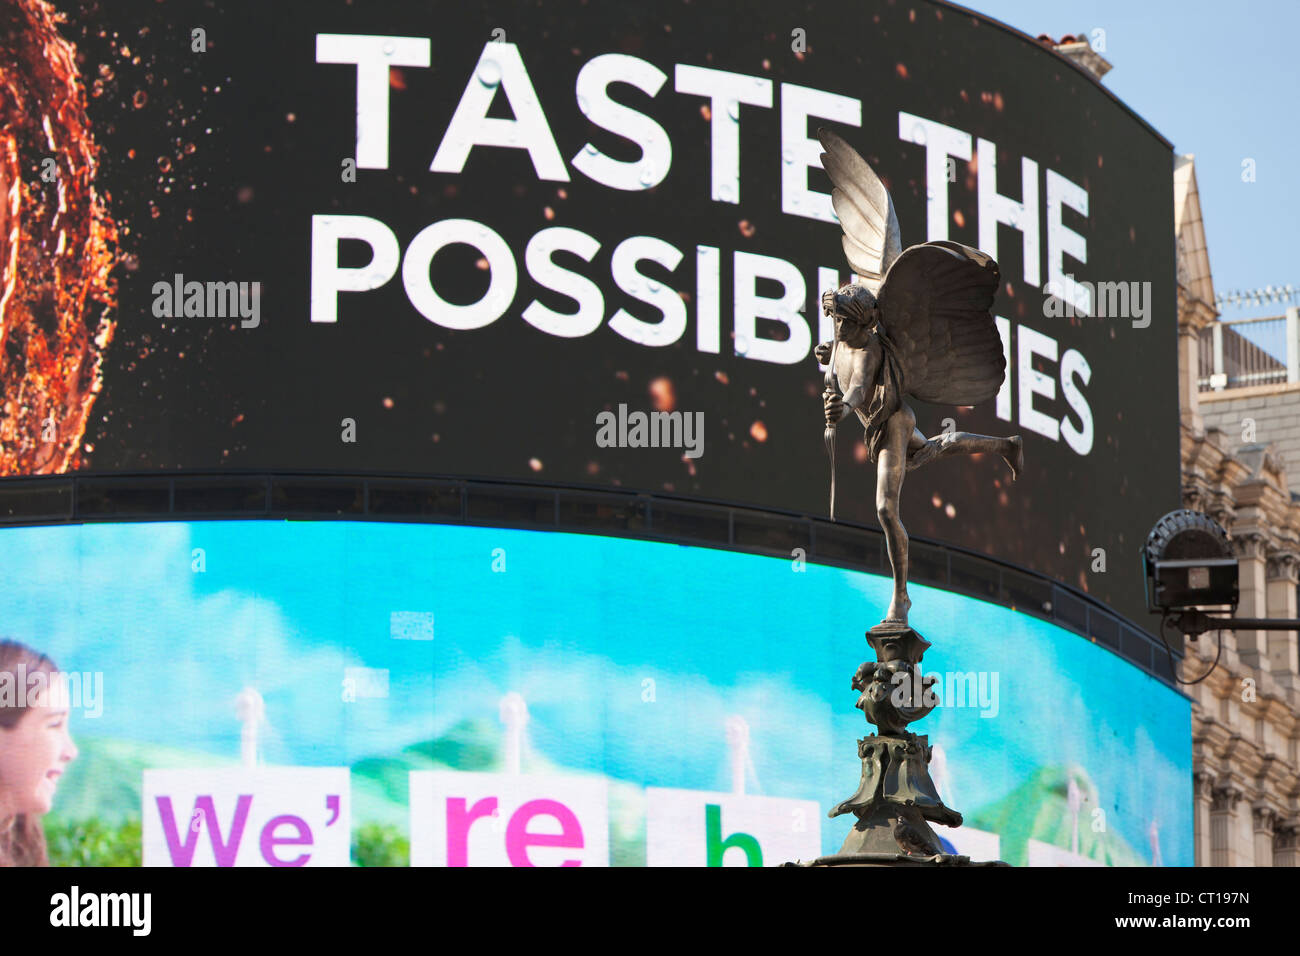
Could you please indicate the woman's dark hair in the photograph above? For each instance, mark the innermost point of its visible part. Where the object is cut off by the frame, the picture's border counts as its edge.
(22, 841)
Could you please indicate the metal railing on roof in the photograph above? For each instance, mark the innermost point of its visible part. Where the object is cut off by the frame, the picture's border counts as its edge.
(1243, 352)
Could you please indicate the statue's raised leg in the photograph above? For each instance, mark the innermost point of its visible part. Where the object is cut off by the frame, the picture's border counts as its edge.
(923, 451)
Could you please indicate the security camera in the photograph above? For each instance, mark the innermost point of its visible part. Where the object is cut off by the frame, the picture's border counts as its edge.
(1189, 562)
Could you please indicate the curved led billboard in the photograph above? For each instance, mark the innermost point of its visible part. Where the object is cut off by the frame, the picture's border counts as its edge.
(496, 240)
(312, 693)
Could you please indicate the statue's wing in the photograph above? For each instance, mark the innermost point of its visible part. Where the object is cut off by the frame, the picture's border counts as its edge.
(934, 306)
(865, 211)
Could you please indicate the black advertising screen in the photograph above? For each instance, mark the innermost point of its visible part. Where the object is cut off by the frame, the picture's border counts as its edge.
(491, 240)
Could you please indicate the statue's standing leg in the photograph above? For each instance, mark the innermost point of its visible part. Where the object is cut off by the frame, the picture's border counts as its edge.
(891, 466)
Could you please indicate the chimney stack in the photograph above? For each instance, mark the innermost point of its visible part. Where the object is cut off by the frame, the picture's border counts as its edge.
(1077, 48)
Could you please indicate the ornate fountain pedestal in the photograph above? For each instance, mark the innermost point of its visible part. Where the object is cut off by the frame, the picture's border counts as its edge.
(896, 800)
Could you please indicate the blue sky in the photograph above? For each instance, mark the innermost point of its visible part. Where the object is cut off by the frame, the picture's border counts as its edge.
(1217, 80)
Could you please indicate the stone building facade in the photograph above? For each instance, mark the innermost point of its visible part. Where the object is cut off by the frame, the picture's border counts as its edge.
(1246, 713)
(1270, 412)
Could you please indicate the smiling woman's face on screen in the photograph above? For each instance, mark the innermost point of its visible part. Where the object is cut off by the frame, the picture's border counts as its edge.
(33, 754)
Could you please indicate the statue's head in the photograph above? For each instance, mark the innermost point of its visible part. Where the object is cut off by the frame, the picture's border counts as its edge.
(855, 312)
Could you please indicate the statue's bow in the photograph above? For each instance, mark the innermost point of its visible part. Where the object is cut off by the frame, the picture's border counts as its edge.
(829, 434)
